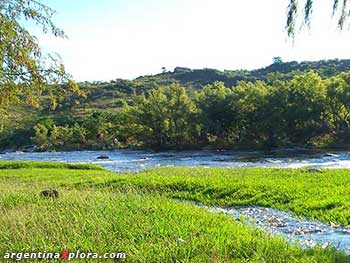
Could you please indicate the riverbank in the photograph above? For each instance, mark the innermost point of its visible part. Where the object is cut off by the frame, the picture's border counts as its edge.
(98, 210)
(286, 149)
(135, 161)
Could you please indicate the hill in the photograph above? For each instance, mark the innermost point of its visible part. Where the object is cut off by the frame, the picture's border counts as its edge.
(108, 97)
(198, 78)
(104, 95)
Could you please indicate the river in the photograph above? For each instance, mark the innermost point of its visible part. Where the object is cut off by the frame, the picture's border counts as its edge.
(133, 161)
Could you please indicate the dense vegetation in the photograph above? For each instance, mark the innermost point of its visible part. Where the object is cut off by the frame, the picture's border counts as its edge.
(284, 104)
(105, 212)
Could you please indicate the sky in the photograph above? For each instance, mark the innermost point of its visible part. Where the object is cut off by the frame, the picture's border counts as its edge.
(110, 39)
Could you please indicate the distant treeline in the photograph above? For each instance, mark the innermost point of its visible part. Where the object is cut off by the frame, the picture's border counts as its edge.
(107, 95)
(305, 111)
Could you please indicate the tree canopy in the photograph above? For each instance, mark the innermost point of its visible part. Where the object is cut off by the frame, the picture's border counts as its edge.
(25, 71)
(307, 111)
(340, 9)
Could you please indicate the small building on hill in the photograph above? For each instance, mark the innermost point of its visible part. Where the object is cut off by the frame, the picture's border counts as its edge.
(182, 69)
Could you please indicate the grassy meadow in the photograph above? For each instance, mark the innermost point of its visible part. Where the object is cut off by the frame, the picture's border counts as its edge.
(139, 213)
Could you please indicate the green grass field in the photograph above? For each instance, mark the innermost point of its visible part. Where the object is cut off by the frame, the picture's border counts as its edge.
(101, 211)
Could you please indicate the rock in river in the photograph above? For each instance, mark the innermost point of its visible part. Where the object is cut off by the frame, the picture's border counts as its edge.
(102, 157)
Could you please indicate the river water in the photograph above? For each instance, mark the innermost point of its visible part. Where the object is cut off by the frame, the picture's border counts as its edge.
(307, 233)
(133, 161)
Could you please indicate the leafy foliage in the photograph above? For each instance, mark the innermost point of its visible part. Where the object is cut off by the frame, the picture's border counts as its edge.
(305, 111)
(293, 10)
(25, 72)
(271, 107)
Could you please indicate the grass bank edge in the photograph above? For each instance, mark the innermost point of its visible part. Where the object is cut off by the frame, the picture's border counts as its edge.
(4, 165)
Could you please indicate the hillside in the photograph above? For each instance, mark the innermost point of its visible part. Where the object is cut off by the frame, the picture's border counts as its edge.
(199, 77)
(103, 95)
(107, 97)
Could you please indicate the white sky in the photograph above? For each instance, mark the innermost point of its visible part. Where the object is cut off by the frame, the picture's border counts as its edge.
(111, 39)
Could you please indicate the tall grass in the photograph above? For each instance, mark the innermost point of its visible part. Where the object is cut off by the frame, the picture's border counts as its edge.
(323, 196)
(4, 165)
(100, 211)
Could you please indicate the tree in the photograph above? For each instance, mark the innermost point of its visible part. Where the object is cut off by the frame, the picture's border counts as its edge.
(165, 117)
(248, 101)
(338, 101)
(182, 112)
(277, 60)
(25, 71)
(97, 125)
(293, 9)
(216, 116)
(41, 136)
(305, 108)
(151, 114)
